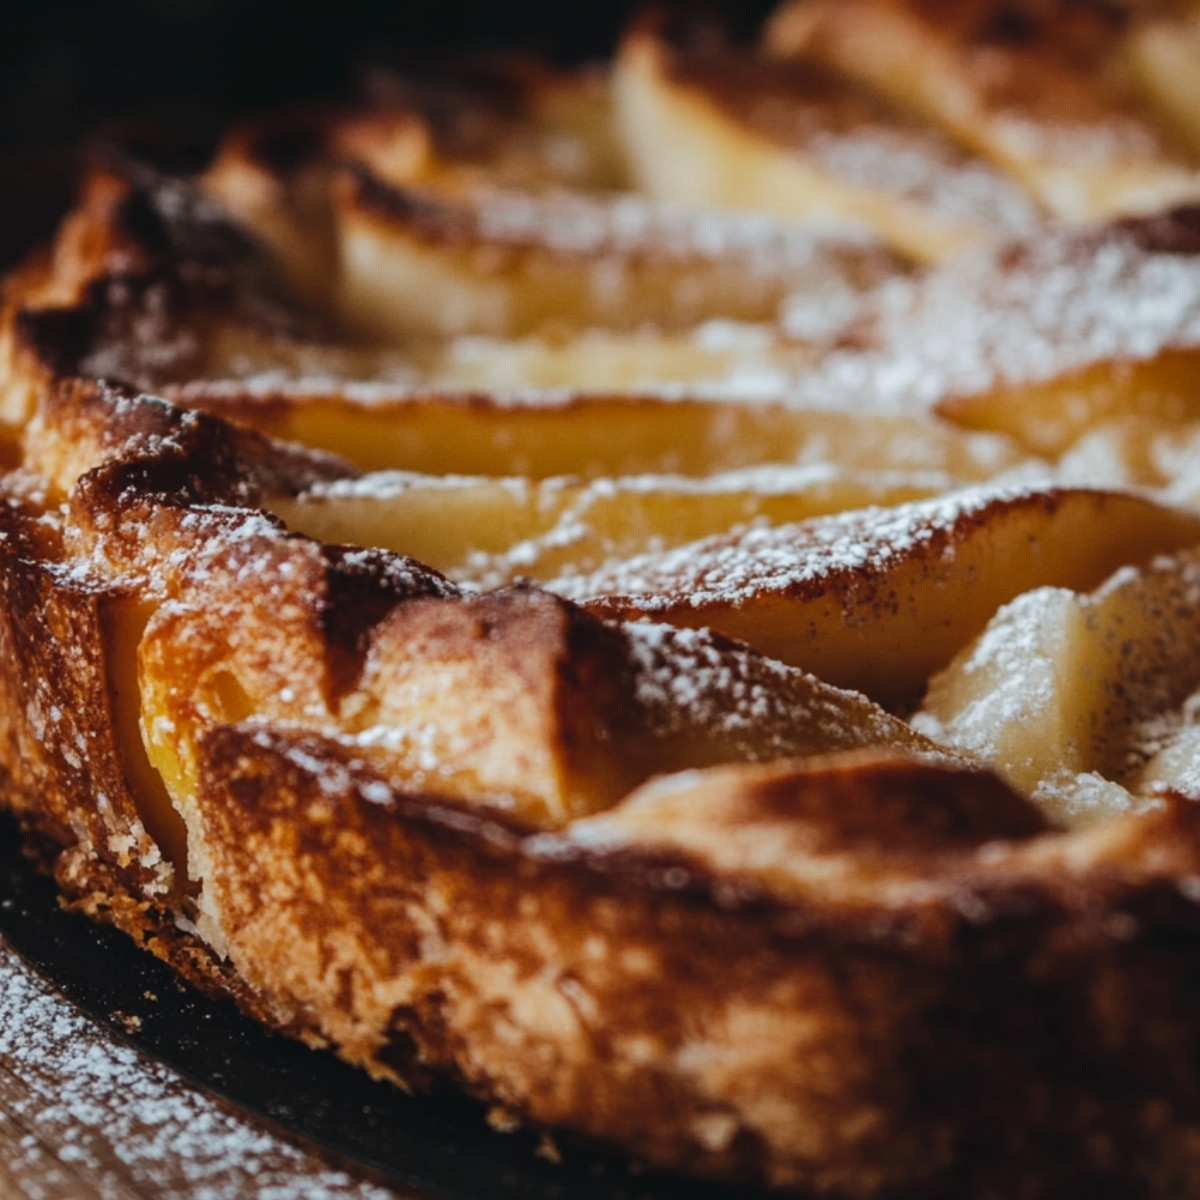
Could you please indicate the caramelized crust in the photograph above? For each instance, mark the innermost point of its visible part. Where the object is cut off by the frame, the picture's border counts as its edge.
(147, 282)
(582, 1031)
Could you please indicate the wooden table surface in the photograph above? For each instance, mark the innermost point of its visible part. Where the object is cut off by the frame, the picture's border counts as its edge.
(85, 1117)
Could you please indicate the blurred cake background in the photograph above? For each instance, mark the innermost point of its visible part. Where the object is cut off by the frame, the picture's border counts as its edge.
(70, 69)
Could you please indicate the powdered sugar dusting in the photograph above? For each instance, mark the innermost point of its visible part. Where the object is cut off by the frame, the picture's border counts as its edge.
(1081, 700)
(628, 223)
(688, 679)
(127, 1124)
(1028, 312)
(732, 570)
(914, 164)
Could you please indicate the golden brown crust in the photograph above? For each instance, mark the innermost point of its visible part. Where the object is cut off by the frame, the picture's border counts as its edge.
(590, 1044)
(148, 276)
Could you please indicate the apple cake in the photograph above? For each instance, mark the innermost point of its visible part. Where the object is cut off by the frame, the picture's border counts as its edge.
(667, 595)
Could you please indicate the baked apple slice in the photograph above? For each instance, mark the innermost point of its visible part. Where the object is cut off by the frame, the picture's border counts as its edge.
(1068, 694)
(880, 600)
(566, 433)
(1043, 339)
(418, 262)
(1162, 51)
(493, 531)
(510, 120)
(1040, 89)
(710, 125)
